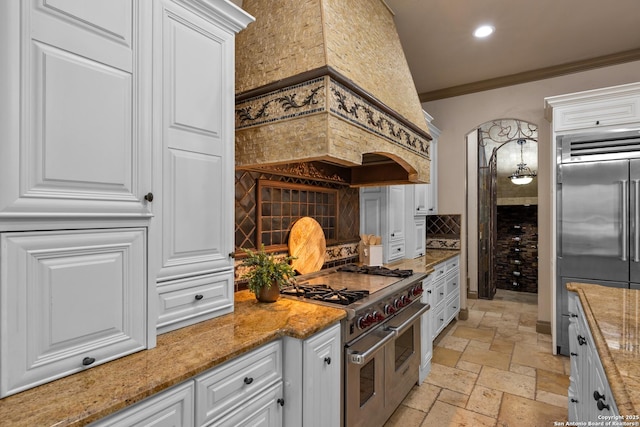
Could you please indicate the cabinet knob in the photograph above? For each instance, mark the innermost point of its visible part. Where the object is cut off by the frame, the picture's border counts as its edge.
(598, 396)
(574, 400)
(248, 380)
(327, 360)
(581, 340)
(597, 122)
(232, 254)
(148, 197)
(602, 406)
(88, 361)
(429, 291)
(280, 402)
(199, 297)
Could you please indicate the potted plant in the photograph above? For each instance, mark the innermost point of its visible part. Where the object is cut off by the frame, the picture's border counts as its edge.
(267, 274)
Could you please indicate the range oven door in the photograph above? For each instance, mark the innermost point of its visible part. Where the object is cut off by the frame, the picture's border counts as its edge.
(364, 379)
(403, 354)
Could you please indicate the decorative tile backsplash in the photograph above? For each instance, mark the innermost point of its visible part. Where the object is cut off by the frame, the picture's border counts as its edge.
(443, 231)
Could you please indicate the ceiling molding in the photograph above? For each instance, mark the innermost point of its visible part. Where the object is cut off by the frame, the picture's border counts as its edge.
(533, 75)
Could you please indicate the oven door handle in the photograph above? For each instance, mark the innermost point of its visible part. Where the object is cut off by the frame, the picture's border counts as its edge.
(420, 310)
(362, 357)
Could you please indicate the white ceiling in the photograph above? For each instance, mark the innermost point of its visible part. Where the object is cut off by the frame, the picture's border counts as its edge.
(530, 35)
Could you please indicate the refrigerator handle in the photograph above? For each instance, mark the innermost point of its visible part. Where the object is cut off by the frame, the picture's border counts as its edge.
(625, 218)
(636, 221)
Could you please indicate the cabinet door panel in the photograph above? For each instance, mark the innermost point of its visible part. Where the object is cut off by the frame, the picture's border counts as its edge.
(195, 126)
(74, 295)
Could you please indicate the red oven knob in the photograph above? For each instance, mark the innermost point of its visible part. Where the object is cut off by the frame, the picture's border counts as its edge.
(416, 290)
(377, 317)
(397, 304)
(389, 309)
(361, 322)
(404, 299)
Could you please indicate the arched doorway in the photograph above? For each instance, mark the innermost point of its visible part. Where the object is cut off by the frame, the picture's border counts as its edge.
(505, 213)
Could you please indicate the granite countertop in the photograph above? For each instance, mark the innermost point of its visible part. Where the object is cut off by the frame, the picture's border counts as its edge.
(613, 315)
(84, 397)
(426, 263)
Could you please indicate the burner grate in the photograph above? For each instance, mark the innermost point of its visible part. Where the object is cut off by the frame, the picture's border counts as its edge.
(378, 271)
(325, 293)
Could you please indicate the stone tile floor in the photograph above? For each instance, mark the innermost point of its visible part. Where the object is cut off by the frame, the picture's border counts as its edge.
(492, 369)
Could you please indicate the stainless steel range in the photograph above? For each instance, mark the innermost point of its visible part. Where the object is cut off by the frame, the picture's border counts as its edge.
(380, 335)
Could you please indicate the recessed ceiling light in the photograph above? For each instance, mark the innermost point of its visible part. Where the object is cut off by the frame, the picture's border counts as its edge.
(484, 31)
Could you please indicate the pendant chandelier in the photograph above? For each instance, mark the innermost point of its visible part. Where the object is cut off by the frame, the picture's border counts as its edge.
(523, 174)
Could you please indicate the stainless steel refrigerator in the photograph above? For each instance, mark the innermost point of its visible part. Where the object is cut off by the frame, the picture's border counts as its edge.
(598, 216)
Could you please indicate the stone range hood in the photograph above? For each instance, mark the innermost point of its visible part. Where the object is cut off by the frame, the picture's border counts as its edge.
(323, 91)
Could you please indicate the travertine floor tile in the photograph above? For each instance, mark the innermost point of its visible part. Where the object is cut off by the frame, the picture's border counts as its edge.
(445, 356)
(453, 342)
(422, 397)
(532, 355)
(442, 414)
(405, 417)
(552, 398)
(451, 378)
(516, 411)
(524, 370)
(468, 366)
(477, 334)
(485, 401)
(479, 344)
(552, 382)
(502, 346)
(453, 398)
(498, 323)
(487, 358)
(509, 382)
(518, 336)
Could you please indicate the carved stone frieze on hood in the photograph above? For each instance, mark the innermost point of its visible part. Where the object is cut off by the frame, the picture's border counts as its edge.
(332, 111)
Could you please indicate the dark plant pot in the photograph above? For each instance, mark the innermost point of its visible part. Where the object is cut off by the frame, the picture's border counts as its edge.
(270, 294)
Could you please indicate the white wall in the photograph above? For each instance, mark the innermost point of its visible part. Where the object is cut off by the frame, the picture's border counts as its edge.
(457, 116)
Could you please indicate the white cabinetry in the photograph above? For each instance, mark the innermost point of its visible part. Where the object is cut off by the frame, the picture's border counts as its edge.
(446, 299)
(426, 336)
(382, 212)
(226, 395)
(594, 109)
(75, 158)
(192, 232)
(312, 371)
(590, 397)
(171, 408)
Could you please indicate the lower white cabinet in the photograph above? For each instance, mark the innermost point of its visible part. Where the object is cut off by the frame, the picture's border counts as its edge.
(233, 386)
(446, 299)
(264, 410)
(171, 408)
(426, 336)
(70, 300)
(312, 371)
(590, 397)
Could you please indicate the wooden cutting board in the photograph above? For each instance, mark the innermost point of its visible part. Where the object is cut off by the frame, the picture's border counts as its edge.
(308, 244)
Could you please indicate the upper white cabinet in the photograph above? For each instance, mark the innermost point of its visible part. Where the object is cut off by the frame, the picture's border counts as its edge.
(382, 212)
(72, 143)
(71, 300)
(594, 109)
(192, 233)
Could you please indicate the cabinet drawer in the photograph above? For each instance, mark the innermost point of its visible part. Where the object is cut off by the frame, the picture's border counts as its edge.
(265, 410)
(236, 381)
(439, 271)
(452, 285)
(192, 300)
(173, 407)
(452, 309)
(440, 294)
(396, 250)
(76, 299)
(439, 322)
(452, 265)
(598, 113)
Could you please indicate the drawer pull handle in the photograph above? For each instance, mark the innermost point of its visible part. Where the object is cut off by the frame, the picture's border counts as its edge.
(441, 293)
(574, 315)
(441, 319)
(602, 406)
(574, 400)
(455, 284)
(574, 354)
(429, 291)
(280, 402)
(88, 361)
(327, 360)
(199, 297)
(454, 307)
(248, 380)
(581, 340)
